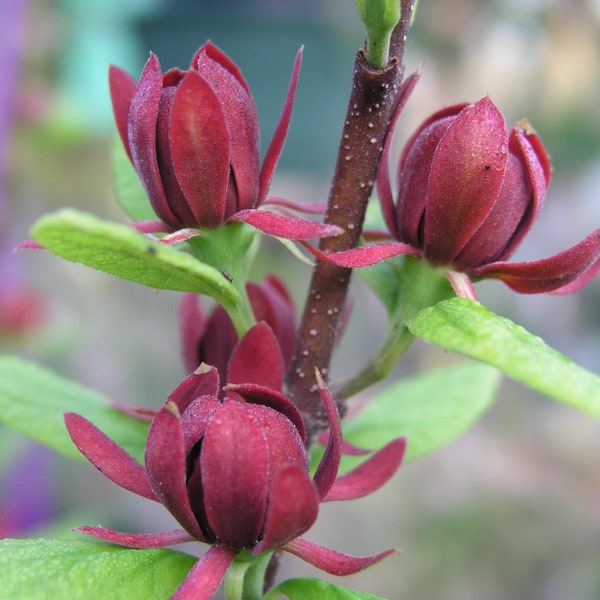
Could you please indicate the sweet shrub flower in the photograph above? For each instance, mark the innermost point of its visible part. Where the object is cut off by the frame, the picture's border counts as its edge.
(211, 338)
(193, 138)
(234, 471)
(468, 192)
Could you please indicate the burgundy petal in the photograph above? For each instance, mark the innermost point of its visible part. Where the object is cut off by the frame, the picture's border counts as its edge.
(370, 475)
(107, 456)
(413, 173)
(257, 359)
(272, 303)
(577, 264)
(278, 139)
(526, 146)
(200, 149)
(234, 465)
(364, 256)
(122, 89)
(259, 394)
(469, 162)
(195, 419)
(138, 540)
(293, 508)
(330, 561)
(143, 117)
(219, 340)
(166, 467)
(330, 463)
(151, 226)
(383, 175)
(205, 577)
(204, 381)
(242, 126)
(217, 55)
(285, 227)
(192, 324)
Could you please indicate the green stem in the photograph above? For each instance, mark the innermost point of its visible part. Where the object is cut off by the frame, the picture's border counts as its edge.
(245, 577)
(419, 286)
(230, 249)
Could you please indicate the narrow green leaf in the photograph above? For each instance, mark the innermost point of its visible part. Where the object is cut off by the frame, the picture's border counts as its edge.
(431, 409)
(129, 189)
(120, 250)
(47, 569)
(467, 327)
(33, 400)
(310, 589)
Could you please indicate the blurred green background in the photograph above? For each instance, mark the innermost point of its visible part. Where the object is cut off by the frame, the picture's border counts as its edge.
(512, 508)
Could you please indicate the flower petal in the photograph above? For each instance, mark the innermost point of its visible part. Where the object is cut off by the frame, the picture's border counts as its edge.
(330, 561)
(257, 359)
(383, 174)
(215, 54)
(204, 381)
(141, 132)
(192, 325)
(290, 228)
(364, 256)
(107, 456)
(258, 394)
(370, 475)
(527, 147)
(293, 508)
(122, 89)
(196, 417)
(200, 149)
(272, 303)
(466, 175)
(278, 139)
(241, 125)
(137, 540)
(206, 575)
(166, 467)
(330, 463)
(564, 272)
(234, 464)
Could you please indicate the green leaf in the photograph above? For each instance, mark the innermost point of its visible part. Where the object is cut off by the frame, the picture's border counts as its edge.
(129, 189)
(120, 250)
(309, 589)
(467, 327)
(47, 569)
(33, 400)
(431, 409)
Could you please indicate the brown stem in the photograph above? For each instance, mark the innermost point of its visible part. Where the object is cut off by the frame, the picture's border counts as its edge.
(368, 117)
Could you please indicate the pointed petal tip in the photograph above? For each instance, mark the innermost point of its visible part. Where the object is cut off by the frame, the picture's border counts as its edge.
(136, 540)
(331, 561)
(291, 228)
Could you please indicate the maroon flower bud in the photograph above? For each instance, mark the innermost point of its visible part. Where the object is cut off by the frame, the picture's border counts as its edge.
(468, 192)
(193, 138)
(234, 472)
(211, 338)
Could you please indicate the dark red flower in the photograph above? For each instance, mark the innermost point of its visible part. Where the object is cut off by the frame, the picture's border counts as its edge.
(193, 138)
(211, 338)
(468, 192)
(234, 472)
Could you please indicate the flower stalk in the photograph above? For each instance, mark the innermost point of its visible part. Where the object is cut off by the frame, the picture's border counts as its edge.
(373, 102)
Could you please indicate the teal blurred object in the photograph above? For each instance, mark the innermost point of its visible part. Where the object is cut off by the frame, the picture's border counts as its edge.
(262, 37)
(96, 33)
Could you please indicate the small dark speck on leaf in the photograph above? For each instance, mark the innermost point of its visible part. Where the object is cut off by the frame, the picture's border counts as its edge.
(226, 275)
(151, 250)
